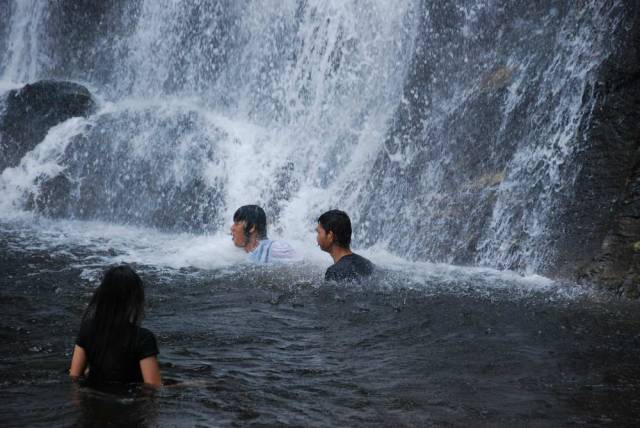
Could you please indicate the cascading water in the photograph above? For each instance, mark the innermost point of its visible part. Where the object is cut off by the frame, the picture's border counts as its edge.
(448, 131)
(21, 53)
(213, 107)
(480, 155)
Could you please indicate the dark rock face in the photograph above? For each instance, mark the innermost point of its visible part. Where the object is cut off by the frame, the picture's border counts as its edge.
(617, 266)
(603, 223)
(32, 110)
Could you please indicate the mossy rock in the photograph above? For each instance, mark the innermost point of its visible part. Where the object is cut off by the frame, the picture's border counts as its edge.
(487, 180)
(498, 78)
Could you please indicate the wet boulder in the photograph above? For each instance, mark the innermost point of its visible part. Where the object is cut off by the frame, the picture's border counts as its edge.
(50, 199)
(146, 167)
(30, 112)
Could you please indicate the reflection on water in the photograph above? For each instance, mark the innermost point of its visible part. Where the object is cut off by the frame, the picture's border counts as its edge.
(254, 346)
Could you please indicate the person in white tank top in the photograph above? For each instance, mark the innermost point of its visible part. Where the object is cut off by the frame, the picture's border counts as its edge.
(249, 232)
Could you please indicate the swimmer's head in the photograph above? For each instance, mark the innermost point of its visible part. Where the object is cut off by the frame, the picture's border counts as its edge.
(120, 297)
(248, 220)
(334, 228)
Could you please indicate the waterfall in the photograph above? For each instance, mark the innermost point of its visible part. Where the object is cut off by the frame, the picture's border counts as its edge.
(481, 159)
(22, 53)
(450, 131)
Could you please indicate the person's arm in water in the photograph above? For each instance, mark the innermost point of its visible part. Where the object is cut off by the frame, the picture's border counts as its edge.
(78, 363)
(151, 371)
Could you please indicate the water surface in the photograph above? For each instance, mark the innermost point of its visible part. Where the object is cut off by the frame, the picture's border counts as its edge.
(250, 346)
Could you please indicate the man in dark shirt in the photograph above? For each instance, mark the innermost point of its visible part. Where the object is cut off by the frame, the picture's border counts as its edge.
(334, 237)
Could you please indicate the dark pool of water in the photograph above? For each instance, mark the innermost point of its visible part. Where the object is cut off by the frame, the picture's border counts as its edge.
(255, 347)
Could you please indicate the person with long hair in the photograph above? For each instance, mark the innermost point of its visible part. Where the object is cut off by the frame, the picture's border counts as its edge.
(111, 342)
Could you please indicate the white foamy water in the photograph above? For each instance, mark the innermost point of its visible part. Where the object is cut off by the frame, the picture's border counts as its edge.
(92, 245)
(16, 183)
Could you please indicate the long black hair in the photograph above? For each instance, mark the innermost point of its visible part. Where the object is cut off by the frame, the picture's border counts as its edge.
(116, 306)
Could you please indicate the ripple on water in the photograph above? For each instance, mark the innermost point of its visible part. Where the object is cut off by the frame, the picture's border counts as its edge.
(277, 346)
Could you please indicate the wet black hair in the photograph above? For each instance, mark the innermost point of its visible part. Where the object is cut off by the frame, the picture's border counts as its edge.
(117, 305)
(338, 222)
(252, 215)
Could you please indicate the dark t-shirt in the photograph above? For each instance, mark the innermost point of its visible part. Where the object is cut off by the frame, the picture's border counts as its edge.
(127, 363)
(349, 268)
